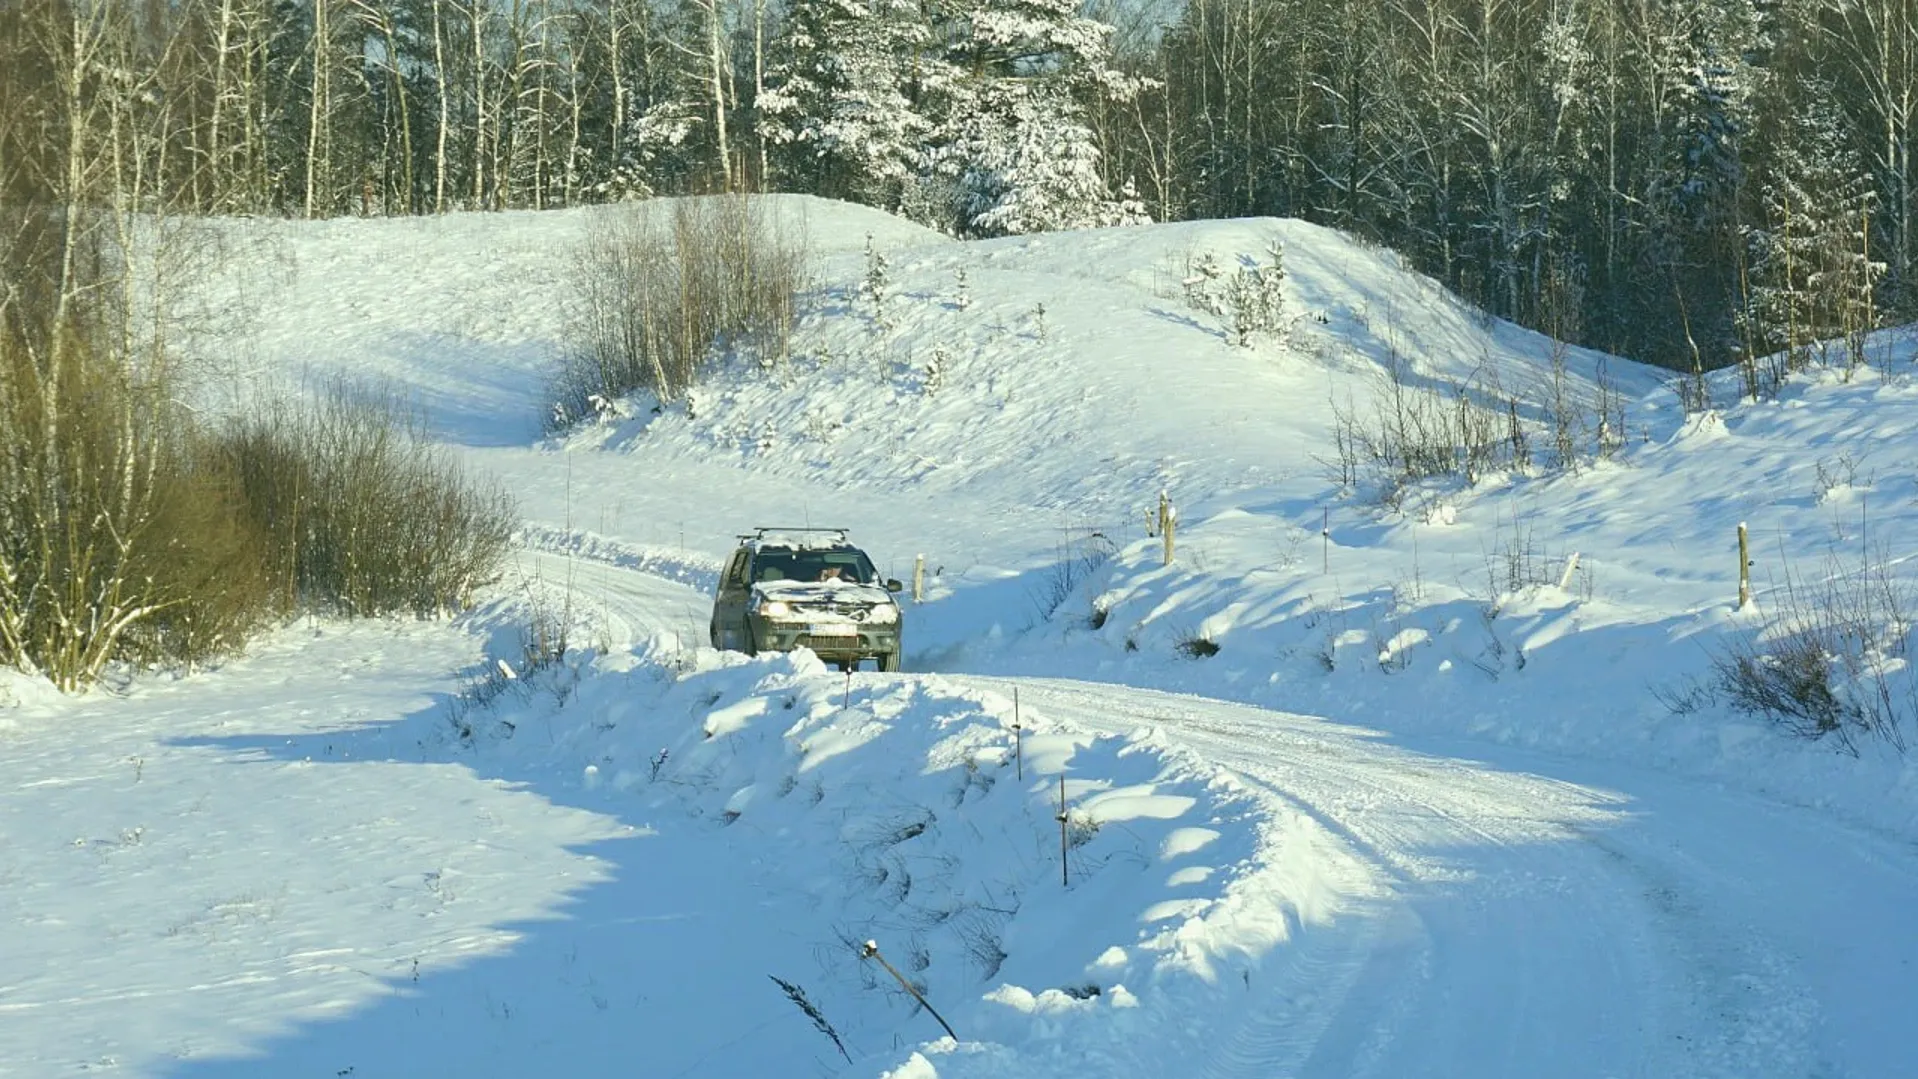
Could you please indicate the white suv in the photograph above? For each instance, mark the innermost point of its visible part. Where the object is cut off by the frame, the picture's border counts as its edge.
(787, 587)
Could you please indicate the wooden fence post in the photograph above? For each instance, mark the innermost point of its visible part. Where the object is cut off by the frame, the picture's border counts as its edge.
(1571, 568)
(1168, 518)
(1744, 568)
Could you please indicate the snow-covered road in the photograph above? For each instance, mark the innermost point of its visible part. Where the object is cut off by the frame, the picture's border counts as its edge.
(1522, 914)
(1627, 925)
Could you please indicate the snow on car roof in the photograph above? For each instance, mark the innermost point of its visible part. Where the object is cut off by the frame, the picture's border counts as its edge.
(800, 539)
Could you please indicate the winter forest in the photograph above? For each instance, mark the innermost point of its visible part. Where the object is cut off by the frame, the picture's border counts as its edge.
(1687, 182)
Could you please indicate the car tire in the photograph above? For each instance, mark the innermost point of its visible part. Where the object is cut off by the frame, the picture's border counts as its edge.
(752, 646)
(889, 661)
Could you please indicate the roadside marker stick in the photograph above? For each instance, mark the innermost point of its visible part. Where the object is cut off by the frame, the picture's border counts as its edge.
(1064, 877)
(1018, 738)
(871, 951)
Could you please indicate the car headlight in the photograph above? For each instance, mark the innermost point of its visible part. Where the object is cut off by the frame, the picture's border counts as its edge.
(883, 615)
(773, 608)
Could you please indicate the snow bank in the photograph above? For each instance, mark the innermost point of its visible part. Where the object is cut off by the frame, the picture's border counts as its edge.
(912, 814)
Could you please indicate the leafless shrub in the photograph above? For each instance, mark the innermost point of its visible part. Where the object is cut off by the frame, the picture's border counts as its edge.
(1607, 415)
(1194, 645)
(1517, 562)
(979, 934)
(1081, 553)
(1081, 829)
(1837, 472)
(1491, 659)
(359, 512)
(1327, 653)
(1686, 697)
(1392, 656)
(1415, 432)
(890, 831)
(1467, 430)
(666, 287)
(1834, 660)
(539, 662)
(1693, 392)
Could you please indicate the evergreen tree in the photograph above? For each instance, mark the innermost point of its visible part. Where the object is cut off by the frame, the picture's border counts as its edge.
(1012, 151)
(1812, 277)
(1029, 165)
(842, 106)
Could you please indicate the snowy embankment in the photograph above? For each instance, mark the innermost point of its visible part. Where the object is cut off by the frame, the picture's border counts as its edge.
(924, 817)
(1469, 839)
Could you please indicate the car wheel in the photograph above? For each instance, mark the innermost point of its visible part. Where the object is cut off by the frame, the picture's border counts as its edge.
(889, 661)
(752, 646)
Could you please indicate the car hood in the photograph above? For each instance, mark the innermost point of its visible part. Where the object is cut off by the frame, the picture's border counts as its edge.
(822, 593)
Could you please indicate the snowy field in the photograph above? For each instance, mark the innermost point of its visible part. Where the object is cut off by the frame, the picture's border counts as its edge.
(1351, 788)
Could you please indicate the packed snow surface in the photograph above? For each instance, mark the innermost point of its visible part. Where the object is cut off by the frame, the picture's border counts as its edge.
(1430, 785)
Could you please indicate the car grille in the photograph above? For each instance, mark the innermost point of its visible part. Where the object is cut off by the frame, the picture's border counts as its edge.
(828, 645)
(855, 611)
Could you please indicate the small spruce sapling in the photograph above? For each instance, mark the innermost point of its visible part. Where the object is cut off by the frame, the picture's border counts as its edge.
(935, 374)
(1254, 296)
(876, 284)
(962, 298)
(1201, 272)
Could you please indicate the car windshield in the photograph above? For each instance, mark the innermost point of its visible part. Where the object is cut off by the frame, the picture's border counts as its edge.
(850, 566)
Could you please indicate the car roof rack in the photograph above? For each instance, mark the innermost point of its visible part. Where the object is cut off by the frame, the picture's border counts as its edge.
(762, 533)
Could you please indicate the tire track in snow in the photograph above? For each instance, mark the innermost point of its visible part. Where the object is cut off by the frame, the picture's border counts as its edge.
(1507, 943)
(627, 592)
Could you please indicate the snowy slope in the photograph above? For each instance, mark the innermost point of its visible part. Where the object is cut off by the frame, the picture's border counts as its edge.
(1450, 827)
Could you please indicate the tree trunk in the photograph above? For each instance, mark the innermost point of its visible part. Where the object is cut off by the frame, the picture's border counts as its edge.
(445, 118)
(319, 109)
(716, 55)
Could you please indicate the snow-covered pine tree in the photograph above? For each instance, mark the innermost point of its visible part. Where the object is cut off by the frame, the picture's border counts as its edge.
(841, 106)
(1011, 139)
(1812, 275)
(1701, 56)
(1030, 165)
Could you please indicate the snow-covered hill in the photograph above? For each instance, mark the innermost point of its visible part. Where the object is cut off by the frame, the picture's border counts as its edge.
(1454, 823)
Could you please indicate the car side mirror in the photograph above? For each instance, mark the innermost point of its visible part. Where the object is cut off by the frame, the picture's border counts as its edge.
(893, 585)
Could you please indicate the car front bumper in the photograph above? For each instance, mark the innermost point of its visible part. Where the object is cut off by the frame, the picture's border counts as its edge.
(869, 642)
